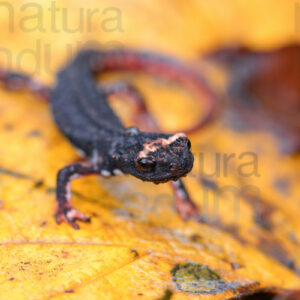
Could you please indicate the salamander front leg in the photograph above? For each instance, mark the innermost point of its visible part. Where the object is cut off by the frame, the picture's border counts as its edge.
(65, 212)
(185, 206)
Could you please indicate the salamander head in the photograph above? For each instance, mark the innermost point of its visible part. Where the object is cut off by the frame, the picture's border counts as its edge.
(155, 157)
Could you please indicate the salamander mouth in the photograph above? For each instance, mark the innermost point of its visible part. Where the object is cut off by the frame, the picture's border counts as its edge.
(167, 179)
(164, 179)
(170, 177)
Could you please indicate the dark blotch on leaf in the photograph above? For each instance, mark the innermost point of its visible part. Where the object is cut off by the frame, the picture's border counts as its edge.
(44, 223)
(197, 279)
(136, 254)
(167, 295)
(34, 133)
(38, 183)
(235, 265)
(260, 296)
(8, 127)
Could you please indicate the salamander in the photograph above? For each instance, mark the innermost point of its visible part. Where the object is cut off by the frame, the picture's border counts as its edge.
(81, 111)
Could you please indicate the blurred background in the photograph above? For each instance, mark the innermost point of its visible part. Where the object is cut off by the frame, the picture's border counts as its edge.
(236, 37)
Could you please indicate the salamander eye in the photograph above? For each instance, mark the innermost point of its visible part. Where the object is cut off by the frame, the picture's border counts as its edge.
(189, 144)
(145, 164)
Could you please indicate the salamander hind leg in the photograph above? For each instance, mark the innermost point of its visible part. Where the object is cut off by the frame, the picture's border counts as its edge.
(65, 211)
(14, 81)
(130, 93)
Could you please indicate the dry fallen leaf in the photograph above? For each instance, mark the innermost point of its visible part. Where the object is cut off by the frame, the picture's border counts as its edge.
(136, 246)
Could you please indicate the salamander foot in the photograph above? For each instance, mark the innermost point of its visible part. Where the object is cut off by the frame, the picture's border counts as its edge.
(70, 215)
